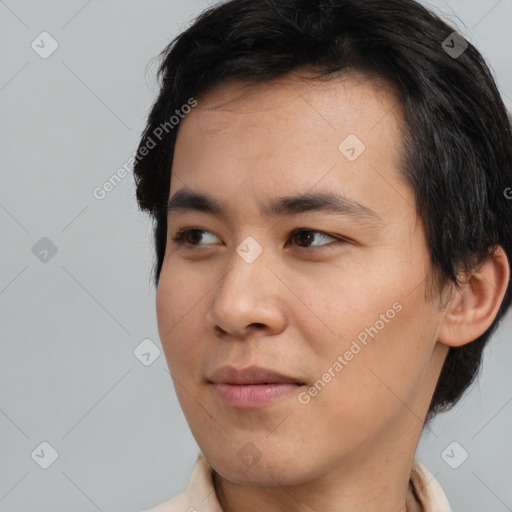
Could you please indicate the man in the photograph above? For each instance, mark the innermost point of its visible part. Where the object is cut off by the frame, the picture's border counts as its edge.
(333, 243)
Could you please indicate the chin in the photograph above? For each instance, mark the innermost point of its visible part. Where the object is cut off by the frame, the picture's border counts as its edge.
(258, 467)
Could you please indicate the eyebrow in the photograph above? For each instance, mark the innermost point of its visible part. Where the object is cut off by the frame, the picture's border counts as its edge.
(336, 204)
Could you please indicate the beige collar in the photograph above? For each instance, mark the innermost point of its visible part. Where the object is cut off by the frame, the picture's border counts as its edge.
(200, 494)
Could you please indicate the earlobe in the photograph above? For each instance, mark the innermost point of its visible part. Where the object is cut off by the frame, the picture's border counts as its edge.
(474, 307)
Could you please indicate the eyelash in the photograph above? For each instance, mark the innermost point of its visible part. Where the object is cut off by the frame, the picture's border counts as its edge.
(179, 238)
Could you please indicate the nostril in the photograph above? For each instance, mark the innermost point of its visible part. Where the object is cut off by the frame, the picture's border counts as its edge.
(220, 330)
(257, 324)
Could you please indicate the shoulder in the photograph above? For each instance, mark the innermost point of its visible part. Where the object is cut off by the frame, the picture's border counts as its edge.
(200, 495)
(428, 489)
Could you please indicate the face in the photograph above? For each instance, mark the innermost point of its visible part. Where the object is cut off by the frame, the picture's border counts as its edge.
(331, 298)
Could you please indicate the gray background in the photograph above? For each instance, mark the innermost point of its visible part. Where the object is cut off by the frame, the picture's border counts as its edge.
(70, 324)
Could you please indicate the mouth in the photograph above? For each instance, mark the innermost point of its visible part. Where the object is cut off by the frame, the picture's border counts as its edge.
(251, 387)
(252, 375)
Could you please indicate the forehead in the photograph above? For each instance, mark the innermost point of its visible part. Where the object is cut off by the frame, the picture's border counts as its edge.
(292, 134)
(350, 93)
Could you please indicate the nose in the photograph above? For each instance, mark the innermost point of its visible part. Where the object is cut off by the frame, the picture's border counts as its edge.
(249, 298)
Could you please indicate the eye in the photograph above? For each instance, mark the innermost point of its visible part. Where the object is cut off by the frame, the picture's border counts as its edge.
(304, 236)
(189, 236)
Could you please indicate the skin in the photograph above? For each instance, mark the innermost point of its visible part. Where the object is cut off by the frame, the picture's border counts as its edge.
(301, 303)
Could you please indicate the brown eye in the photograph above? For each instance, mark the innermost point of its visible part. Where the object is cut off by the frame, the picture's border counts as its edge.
(305, 237)
(190, 236)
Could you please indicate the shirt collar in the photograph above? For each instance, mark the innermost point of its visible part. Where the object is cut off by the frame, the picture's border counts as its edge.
(201, 497)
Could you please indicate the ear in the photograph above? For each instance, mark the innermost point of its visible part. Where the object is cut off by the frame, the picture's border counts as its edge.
(474, 307)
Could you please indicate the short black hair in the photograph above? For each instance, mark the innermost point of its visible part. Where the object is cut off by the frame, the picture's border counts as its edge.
(457, 155)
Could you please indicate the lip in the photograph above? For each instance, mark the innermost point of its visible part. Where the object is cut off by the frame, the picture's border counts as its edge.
(251, 387)
(250, 375)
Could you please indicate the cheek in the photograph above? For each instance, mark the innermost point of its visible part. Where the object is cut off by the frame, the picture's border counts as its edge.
(341, 302)
(177, 310)
(378, 318)
(178, 296)
(388, 361)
